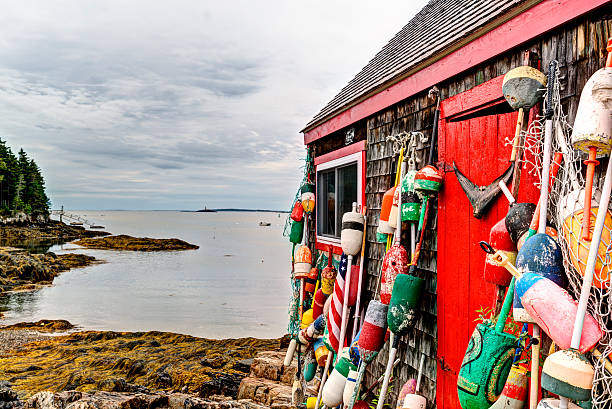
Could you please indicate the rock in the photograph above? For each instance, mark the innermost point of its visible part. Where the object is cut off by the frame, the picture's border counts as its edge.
(221, 384)
(125, 242)
(42, 326)
(215, 361)
(244, 365)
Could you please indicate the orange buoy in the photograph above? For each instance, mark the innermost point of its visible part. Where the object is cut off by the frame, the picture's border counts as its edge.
(385, 211)
(302, 262)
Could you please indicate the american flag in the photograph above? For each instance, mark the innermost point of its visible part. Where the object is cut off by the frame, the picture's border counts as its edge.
(334, 318)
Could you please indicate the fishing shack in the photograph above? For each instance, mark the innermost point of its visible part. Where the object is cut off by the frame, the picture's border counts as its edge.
(444, 69)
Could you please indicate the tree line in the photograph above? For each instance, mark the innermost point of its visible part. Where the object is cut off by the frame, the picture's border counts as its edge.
(22, 186)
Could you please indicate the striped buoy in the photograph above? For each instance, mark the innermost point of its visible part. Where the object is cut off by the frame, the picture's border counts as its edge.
(308, 197)
(514, 394)
(352, 232)
(405, 298)
(499, 238)
(373, 331)
(518, 219)
(394, 263)
(311, 280)
(349, 386)
(297, 214)
(297, 232)
(333, 390)
(539, 255)
(394, 209)
(385, 211)
(554, 310)
(428, 180)
(568, 373)
(320, 351)
(523, 86)
(313, 331)
(318, 303)
(303, 262)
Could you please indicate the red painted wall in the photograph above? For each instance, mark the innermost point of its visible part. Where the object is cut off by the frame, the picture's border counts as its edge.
(477, 147)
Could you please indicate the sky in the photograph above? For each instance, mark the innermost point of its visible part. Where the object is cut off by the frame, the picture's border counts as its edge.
(157, 105)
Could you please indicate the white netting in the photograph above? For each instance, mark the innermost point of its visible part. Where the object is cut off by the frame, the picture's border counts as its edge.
(565, 214)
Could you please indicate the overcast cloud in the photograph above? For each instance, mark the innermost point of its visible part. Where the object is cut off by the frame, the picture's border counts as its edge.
(177, 104)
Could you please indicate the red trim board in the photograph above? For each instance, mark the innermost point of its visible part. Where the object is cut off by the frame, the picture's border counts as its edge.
(526, 26)
(339, 153)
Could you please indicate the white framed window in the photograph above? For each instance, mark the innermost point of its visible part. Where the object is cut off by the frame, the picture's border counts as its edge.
(339, 183)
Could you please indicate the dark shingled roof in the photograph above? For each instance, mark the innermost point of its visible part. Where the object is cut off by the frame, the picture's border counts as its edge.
(438, 25)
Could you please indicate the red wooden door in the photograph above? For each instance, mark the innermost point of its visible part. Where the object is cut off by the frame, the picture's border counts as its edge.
(472, 135)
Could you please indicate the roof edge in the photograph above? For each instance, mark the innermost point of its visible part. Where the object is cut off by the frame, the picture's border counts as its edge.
(493, 24)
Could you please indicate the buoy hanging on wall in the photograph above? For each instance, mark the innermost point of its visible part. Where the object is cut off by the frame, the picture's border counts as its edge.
(328, 277)
(320, 350)
(518, 219)
(297, 214)
(514, 394)
(311, 280)
(318, 303)
(428, 180)
(568, 373)
(499, 238)
(352, 233)
(297, 232)
(539, 255)
(385, 211)
(303, 262)
(394, 263)
(308, 197)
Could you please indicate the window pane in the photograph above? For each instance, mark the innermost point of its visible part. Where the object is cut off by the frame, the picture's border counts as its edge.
(326, 203)
(347, 191)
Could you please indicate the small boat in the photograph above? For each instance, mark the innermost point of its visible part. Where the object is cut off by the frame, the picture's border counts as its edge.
(265, 223)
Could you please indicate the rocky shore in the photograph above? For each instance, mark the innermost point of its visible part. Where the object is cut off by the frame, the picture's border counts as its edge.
(14, 232)
(104, 369)
(20, 270)
(125, 242)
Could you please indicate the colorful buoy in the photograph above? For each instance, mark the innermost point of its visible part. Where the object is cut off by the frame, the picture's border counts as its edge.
(303, 262)
(411, 207)
(311, 281)
(349, 386)
(320, 350)
(554, 310)
(408, 388)
(297, 232)
(523, 87)
(568, 373)
(405, 299)
(428, 180)
(514, 394)
(310, 369)
(297, 214)
(385, 211)
(328, 278)
(394, 263)
(499, 238)
(352, 232)
(373, 330)
(318, 303)
(308, 197)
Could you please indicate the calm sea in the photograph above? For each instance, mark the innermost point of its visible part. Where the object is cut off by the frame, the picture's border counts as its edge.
(235, 285)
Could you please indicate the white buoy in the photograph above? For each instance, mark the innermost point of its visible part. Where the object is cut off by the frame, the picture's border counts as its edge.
(333, 390)
(349, 386)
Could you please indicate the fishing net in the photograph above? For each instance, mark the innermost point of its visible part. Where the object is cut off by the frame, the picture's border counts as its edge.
(565, 215)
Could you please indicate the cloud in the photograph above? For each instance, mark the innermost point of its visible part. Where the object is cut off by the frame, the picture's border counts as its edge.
(163, 105)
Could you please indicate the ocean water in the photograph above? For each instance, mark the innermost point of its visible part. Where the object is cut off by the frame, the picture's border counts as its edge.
(235, 285)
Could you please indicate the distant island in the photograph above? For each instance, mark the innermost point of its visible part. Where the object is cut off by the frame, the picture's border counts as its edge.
(206, 210)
